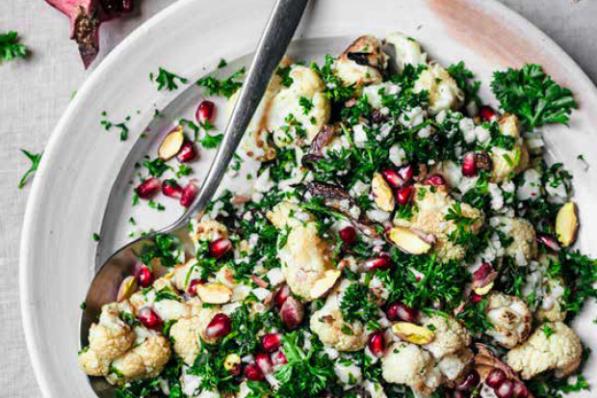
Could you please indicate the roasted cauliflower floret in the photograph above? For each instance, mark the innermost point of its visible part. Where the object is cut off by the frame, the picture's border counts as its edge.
(509, 162)
(256, 142)
(404, 51)
(208, 231)
(108, 339)
(306, 257)
(92, 363)
(523, 247)
(552, 306)
(430, 218)
(144, 361)
(406, 363)
(183, 274)
(510, 318)
(444, 93)
(186, 337)
(450, 336)
(301, 108)
(553, 346)
(331, 328)
(362, 63)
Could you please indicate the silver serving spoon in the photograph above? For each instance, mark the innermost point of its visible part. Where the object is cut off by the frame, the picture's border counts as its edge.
(276, 37)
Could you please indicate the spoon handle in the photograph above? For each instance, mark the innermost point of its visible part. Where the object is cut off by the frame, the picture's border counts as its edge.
(278, 33)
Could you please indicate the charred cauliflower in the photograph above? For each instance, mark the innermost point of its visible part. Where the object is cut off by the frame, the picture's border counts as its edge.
(331, 328)
(362, 63)
(406, 363)
(432, 207)
(444, 93)
(553, 346)
(510, 318)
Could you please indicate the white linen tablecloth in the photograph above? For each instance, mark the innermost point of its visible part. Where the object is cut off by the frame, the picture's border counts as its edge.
(35, 92)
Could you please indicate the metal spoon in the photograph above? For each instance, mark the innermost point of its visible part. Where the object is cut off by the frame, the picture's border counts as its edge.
(276, 37)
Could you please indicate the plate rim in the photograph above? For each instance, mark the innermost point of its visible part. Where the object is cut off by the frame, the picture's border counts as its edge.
(35, 201)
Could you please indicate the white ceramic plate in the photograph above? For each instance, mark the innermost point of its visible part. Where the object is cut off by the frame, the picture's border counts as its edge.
(71, 190)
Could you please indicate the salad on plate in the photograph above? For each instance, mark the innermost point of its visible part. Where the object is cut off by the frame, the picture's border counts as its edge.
(401, 239)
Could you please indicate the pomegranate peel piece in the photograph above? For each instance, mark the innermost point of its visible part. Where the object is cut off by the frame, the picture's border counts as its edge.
(85, 17)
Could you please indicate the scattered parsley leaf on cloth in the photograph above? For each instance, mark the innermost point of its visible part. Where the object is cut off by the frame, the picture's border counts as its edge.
(35, 158)
(533, 95)
(10, 48)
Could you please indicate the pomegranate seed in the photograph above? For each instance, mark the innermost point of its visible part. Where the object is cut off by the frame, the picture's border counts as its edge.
(144, 276)
(148, 188)
(475, 298)
(520, 390)
(278, 358)
(406, 173)
(487, 113)
(149, 318)
(281, 295)
(392, 177)
(219, 326)
(505, 389)
(271, 342)
(404, 194)
(187, 152)
(220, 247)
(205, 111)
(436, 180)
(348, 235)
(469, 166)
(264, 362)
(382, 262)
(398, 311)
(171, 189)
(192, 289)
(470, 381)
(549, 242)
(377, 343)
(495, 378)
(188, 195)
(253, 373)
(292, 313)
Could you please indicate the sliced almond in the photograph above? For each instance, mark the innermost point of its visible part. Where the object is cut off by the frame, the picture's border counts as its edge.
(323, 285)
(567, 224)
(127, 287)
(382, 193)
(171, 144)
(413, 333)
(214, 293)
(408, 241)
(482, 291)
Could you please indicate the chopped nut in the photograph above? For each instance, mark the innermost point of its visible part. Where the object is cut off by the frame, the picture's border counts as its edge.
(408, 241)
(171, 144)
(127, 287)
(482, 291)
(323, 285)
(214, 293)
(413, 333)
(567, 224)
(231, 362)
(382, 193)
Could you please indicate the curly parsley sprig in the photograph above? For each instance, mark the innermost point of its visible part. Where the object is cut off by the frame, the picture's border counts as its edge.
(533, 95)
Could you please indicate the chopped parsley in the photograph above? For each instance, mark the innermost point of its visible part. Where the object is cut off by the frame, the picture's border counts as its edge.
(167, 80)
(35, 159)
(225, 87)
(533, 95)
(10, 47)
